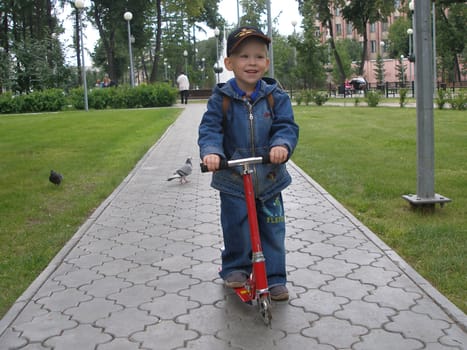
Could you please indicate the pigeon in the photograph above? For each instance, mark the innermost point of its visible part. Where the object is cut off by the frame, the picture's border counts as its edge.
(182, 172)
(55, 177)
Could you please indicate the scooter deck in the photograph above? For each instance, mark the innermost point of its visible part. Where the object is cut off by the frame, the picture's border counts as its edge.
(244, 294)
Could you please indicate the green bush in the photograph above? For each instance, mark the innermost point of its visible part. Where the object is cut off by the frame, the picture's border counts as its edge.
(39, 101)
(8, 103)
(142, 96)
(299, 98)
(403, 96)
(459, 101)
(442, 99)
(308, 96)
(373, 98)
(320, 97)
(153, 95)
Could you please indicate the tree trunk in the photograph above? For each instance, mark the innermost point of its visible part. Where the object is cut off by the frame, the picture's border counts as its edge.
(155, 64)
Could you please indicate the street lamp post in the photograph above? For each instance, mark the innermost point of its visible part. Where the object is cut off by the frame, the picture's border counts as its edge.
(217, 68)
(79, 4)
(425, 196)
(271, 45)
(128, 16)
(294, 24)
(402, 71)
(185, 54)
(203, 60)
(410, 33)
(382, 44)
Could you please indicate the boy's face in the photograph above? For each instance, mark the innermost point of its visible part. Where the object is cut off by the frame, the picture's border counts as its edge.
(249, 62)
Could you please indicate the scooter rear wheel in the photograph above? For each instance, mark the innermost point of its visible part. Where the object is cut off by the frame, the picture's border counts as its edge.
(264, 305)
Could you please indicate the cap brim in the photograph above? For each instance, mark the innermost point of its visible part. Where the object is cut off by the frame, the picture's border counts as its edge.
(264, 38)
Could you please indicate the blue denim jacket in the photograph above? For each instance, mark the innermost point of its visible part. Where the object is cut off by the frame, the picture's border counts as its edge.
(249, 130)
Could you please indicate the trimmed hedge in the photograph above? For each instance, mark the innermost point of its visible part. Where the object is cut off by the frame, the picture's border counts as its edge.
(143, 96)
(51, 100)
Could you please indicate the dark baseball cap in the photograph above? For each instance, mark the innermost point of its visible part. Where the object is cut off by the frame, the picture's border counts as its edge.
(242, 33)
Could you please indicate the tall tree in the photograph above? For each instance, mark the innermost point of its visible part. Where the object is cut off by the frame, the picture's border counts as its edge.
(451, 37)
(362, 13)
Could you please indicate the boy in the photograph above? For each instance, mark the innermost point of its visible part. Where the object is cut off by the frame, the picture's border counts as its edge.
(251, 126)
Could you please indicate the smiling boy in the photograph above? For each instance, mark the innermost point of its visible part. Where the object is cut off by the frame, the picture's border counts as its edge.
(251, 126)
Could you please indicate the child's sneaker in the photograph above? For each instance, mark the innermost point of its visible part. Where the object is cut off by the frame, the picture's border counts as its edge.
(235, 279)
(279, 293)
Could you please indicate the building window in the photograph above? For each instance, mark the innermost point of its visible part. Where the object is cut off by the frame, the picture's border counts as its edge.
(385, 25)
(373, 46)
(349, 28)
(338, 29)
(372, 27)
(338, 12)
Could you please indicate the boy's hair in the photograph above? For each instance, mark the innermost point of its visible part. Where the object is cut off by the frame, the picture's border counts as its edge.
(240, 34)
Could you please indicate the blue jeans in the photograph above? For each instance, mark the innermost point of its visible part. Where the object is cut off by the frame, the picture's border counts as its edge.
(236, 255)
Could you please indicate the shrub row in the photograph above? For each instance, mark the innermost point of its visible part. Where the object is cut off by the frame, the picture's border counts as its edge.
(307, 96)
(143, 96)
(41, 101)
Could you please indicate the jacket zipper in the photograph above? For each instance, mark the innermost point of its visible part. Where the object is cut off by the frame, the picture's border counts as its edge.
(252, 140)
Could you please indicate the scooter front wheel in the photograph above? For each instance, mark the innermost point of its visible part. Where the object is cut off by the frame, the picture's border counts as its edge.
(264, 305)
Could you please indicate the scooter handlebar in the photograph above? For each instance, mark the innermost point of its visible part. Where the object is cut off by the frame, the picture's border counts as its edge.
(225, 164)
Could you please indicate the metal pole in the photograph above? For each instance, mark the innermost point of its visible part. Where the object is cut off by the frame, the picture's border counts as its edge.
(217, 33)
(410, 56)
(271, 51)
(132, 74)
(424, 95)
(435, 78)
(83, 66)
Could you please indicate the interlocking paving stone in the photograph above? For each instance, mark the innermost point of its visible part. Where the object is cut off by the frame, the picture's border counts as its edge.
(83, 337)
(92, 310)
(323, 303)
(105, 286)
(169, 306)
(126, 322)
(142, 273)
(45, 326)
(378, 339)
(335, 332)
(168, 333)
(119, 344)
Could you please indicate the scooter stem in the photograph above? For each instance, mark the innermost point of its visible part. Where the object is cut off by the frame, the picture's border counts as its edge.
(259, 262)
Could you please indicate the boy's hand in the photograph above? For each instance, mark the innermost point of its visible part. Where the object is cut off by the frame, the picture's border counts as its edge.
(212, 161)
(278, 154)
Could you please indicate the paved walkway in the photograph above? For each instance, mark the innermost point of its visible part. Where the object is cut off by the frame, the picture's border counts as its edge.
(141, 273)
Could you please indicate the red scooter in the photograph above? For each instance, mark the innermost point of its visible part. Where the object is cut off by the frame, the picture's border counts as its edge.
(256, 286)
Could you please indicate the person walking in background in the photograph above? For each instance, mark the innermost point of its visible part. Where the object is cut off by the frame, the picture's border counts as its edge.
(251, 126)
(183, 86)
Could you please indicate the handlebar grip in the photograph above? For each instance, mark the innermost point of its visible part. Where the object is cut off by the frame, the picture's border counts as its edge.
(224, 164)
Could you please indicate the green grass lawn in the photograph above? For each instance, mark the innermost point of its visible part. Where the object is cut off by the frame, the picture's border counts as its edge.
(366, 158)
(94, 151)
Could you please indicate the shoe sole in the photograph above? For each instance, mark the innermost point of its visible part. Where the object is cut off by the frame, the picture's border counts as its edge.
(280, 297)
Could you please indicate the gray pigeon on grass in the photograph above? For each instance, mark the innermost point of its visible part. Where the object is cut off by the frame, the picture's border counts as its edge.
(182, 172)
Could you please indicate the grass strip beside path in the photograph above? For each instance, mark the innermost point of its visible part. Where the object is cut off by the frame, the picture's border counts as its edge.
(94, 151)
(366, 158)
